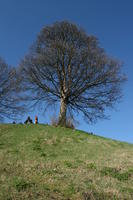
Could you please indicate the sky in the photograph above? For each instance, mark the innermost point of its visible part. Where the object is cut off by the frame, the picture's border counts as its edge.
(111, 21)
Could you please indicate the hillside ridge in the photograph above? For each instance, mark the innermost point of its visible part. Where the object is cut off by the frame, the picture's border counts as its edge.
(44, 162)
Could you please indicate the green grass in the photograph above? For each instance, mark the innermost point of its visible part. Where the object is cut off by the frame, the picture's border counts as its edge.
(40, 162)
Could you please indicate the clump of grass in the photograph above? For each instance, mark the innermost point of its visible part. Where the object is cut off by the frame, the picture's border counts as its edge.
(43, 154)
(51, 171)
(71, 164)
(96, 195)
(1, 145)
(68, 164)
(115, 173)
(70, 190)
(91, 166)
(36, 145)
(21, 185)
(127, 190)
(109, 171)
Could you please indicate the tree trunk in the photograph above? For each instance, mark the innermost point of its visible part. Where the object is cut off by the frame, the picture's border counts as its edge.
(63, 111)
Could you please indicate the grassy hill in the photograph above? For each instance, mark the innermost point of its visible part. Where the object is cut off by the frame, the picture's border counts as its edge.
(43, 162)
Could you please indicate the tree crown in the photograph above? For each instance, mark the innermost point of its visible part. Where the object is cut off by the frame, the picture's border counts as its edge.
(66, 64)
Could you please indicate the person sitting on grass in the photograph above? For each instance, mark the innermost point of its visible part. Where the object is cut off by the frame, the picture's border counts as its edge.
(28, 120)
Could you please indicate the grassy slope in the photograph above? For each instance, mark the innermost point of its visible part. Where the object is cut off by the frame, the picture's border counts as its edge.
(42, 162)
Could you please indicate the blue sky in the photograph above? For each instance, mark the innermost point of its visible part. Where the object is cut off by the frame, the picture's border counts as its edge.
(109, 20)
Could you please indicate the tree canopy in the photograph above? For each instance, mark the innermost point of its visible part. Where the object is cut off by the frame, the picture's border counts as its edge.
(68, 66)
(9, 94)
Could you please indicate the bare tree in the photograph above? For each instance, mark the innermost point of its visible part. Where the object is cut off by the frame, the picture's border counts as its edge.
(67, 65)
(9, 101)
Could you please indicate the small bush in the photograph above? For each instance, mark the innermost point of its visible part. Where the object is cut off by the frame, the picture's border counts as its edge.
(69, 122)
(54, 121)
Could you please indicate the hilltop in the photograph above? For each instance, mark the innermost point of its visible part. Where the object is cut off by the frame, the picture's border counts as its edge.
(47, 163)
